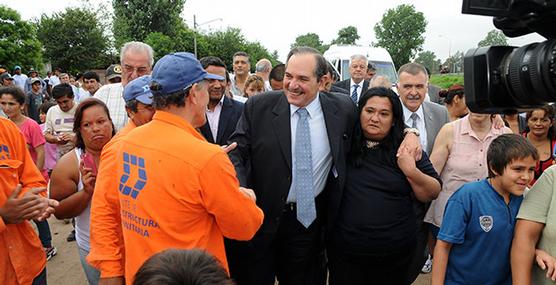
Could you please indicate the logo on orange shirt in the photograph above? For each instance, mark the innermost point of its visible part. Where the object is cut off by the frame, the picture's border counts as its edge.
(137, 164)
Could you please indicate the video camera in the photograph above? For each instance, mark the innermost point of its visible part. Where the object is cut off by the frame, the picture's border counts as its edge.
(504, 78)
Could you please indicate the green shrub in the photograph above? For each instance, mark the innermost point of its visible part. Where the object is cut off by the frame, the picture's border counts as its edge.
(444, 81)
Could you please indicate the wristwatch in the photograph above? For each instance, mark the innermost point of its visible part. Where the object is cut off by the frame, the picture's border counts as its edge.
(411, 130)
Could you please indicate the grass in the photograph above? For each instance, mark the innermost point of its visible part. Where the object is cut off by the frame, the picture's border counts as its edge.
(444, 81)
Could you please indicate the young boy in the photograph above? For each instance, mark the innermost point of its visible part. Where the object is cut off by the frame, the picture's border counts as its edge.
(474, 241)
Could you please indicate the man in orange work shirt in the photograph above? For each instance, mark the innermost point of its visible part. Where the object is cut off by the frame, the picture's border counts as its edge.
(22, 258)
(106, 231)
(175, 189)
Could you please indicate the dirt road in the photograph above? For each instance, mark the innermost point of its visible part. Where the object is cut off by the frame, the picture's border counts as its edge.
(65, 269)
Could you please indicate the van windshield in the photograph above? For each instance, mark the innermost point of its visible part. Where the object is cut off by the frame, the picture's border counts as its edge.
(383, 68)
(386, 69)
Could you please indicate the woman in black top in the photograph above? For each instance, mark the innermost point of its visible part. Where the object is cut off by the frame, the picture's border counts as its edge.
(375, 234)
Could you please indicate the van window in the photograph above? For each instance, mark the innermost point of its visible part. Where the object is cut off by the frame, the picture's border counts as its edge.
(386, 69)
(345, 69)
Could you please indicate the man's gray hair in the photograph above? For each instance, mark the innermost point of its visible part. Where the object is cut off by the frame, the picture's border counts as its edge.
(380, 81)
(358, 57)
(137, 47)
(263, 65)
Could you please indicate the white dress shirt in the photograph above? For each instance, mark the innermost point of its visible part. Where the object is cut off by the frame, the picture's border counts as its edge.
(213, 117)
(320, 146)
(112, 96)
(420, 124)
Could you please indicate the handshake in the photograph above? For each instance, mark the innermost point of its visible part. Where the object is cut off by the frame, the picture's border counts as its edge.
(30, 205)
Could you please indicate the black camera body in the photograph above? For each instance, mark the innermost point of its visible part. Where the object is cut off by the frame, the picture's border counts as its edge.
(503, 78)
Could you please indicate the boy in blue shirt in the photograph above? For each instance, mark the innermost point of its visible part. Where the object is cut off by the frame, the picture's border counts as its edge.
(474, 241)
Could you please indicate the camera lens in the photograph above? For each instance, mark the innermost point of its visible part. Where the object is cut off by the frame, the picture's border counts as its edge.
(529, 73)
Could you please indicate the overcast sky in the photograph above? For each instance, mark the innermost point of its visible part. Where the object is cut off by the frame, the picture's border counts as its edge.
(277, 23)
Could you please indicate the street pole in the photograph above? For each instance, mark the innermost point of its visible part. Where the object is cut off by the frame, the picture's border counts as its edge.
(195, 35)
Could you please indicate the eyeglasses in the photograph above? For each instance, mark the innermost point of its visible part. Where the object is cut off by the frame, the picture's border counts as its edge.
(139, 70)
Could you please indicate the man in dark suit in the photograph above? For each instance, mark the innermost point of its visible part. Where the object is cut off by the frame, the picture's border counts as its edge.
(357, 84)
(291, 151)
(223, 112)
(428, 118)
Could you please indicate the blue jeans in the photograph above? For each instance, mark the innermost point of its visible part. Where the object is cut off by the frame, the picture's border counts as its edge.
(40, 279)
(91, 273)
(44, 233)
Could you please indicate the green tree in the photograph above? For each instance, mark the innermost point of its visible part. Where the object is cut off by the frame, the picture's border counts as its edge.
(136, 19)
(310, 40)
(18, 41)
(429, 60)
(347, 36)
(74, 40)
(401, 32)
(494, 38)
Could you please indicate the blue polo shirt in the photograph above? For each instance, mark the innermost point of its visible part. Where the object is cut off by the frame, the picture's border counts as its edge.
(479, 225)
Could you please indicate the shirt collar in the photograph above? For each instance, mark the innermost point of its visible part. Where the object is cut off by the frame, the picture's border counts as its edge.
(353, 83)
(172, 119)
(407, 113)
(312, 108)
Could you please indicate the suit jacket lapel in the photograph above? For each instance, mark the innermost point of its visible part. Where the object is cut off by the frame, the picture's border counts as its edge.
(429, 124)
(330, 112)
(205, 130)
(281, 123)
(223, 120)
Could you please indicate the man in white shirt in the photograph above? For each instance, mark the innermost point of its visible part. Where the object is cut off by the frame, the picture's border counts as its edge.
(54, 79)
(262, 69)
(19, 78)
(357, 84)
(136, 59)
(59, 120)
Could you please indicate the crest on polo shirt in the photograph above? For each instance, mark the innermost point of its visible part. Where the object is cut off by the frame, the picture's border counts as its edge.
(486, 223)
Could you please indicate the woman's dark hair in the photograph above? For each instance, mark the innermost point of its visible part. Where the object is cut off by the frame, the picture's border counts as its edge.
(548, 113)
(15, 91)
(45, 106)
(389, 145)
(78, 117)
(450, 93)
(182, 267)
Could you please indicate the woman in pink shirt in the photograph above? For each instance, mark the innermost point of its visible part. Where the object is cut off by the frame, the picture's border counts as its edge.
(49, 149)
(12, 101)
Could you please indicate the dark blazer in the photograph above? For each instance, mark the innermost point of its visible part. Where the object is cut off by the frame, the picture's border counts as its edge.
(229, 115)
(345, 84)
(263, 157)
(433, 91)
(337, 89)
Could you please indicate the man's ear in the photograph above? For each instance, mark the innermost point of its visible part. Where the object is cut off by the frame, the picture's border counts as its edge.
(492, 170)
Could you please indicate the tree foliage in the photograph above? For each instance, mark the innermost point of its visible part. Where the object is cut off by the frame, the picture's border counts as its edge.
(74, 40)
(18, 41)
(136, 19)
(401, 32)
(310, 40)
(494, 38)
(347, 36)
(429, 60)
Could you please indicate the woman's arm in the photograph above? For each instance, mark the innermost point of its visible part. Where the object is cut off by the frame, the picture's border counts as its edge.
(440, 262)
(425, 187)
(63, 188)
(40, 157)
(442, 147)
(525, 240)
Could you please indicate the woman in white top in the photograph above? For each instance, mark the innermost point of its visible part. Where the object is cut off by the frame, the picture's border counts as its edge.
(73, 179)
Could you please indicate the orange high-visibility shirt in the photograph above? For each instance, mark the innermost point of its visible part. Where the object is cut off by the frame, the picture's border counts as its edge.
(107, 249)
(22, 257)
(178, 191)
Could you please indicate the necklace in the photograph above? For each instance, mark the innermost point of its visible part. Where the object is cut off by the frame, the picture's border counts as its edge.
(372, 144)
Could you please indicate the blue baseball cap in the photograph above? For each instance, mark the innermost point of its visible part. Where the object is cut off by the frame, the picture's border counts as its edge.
(139, 89)
(177, 71)
(17, 67)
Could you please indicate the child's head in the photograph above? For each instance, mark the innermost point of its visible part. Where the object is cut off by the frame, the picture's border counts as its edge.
(43, 109)
(511, 155)
(253, 85)
(184, 267)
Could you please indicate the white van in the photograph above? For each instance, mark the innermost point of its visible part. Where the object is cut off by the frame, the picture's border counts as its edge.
(339, 56)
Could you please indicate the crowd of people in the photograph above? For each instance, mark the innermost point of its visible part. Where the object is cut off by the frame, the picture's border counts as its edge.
(180, 172)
